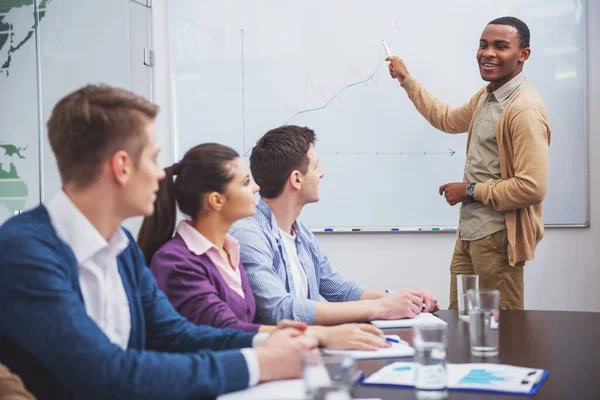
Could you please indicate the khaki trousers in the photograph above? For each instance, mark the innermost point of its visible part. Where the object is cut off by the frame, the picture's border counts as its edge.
(488, 258)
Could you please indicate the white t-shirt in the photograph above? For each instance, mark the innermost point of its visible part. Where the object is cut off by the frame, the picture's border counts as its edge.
(298, 274)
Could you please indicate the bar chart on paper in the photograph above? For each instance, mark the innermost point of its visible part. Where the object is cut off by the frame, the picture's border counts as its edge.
(242, 68)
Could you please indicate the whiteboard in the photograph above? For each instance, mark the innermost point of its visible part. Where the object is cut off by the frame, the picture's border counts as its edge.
(240, 68)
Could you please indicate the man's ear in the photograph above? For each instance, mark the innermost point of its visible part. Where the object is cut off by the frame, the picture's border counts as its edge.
(295, 179)
(215, 200)
(524, 55)
(121, 167)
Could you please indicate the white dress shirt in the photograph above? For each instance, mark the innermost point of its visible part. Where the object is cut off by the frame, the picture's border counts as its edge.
(99, 278)
(101, 284)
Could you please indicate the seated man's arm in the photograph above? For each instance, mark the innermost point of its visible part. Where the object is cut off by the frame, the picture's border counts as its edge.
(334, 287)
(273, 302)
(342, 295)
(43, 313)
(351, 302)
(371, 294)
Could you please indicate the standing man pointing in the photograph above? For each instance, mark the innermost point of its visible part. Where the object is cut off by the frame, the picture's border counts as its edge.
(506, 170)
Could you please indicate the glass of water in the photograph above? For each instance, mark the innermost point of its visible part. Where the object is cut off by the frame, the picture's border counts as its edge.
(328, 376)
(430, 343)
(464, 282)
(484, 312)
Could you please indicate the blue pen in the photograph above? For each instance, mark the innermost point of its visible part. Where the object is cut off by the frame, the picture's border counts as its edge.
(389, 339)
(358, 375)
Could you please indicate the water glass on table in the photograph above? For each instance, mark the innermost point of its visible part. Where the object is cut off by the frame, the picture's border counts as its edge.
(464, 282)
(484, 308)
(328, 376)
(430, 342)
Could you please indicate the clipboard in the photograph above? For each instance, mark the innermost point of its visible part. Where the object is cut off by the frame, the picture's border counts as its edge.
(483, 378)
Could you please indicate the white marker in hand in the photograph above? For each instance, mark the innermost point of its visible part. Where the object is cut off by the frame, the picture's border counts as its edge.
(387, 49)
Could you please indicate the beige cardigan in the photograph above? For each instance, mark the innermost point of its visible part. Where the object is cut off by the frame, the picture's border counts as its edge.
(523, 136)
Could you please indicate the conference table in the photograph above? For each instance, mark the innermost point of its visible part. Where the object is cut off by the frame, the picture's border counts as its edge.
(565, 343)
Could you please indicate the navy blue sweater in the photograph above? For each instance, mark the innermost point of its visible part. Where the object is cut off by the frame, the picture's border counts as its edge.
(47, 338)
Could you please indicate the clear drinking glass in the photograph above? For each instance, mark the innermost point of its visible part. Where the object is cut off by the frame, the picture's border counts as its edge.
(483, 306)
(328, 376)
(430, 343)
(464, 282)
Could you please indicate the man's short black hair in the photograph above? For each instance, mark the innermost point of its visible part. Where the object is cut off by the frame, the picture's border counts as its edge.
(277, 154)
(519, 25)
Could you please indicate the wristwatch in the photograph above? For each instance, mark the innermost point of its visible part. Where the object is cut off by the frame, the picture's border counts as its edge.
(471, 191)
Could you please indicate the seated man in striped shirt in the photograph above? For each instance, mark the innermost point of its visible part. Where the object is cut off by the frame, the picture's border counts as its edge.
(286, 268)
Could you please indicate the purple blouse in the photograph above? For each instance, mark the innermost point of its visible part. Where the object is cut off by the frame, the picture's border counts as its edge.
(198, 291)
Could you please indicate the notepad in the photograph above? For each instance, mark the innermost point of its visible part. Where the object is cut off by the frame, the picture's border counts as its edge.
(498, 378)
(422, 318)
(400, 349)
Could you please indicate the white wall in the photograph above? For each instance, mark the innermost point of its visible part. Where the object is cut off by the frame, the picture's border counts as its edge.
(565, 273)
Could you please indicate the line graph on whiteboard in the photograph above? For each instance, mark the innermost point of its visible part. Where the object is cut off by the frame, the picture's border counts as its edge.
(353, 80)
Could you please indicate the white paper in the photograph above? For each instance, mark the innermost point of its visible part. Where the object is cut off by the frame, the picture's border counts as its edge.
(279, 390)
(485, 377)
(400, 349)
(422, 318)
(493, 323)
(317, 376)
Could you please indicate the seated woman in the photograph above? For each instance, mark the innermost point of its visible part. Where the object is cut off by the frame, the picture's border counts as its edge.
(199, 268)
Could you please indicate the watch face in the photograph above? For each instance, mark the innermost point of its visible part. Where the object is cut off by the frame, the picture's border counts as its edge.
(470, 190)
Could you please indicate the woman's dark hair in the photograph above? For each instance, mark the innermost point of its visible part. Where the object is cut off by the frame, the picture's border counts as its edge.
(203, 170)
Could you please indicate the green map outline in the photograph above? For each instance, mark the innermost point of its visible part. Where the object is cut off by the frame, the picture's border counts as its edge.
(4, 27)
(11, 150)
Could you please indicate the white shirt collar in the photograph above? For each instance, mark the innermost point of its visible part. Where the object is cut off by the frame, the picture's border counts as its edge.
(78, 232)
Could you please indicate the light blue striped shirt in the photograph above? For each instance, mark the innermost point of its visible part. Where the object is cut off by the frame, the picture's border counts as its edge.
(264, 257)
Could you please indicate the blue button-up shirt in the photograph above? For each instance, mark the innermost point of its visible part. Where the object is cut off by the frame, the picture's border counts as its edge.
(267, 265)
